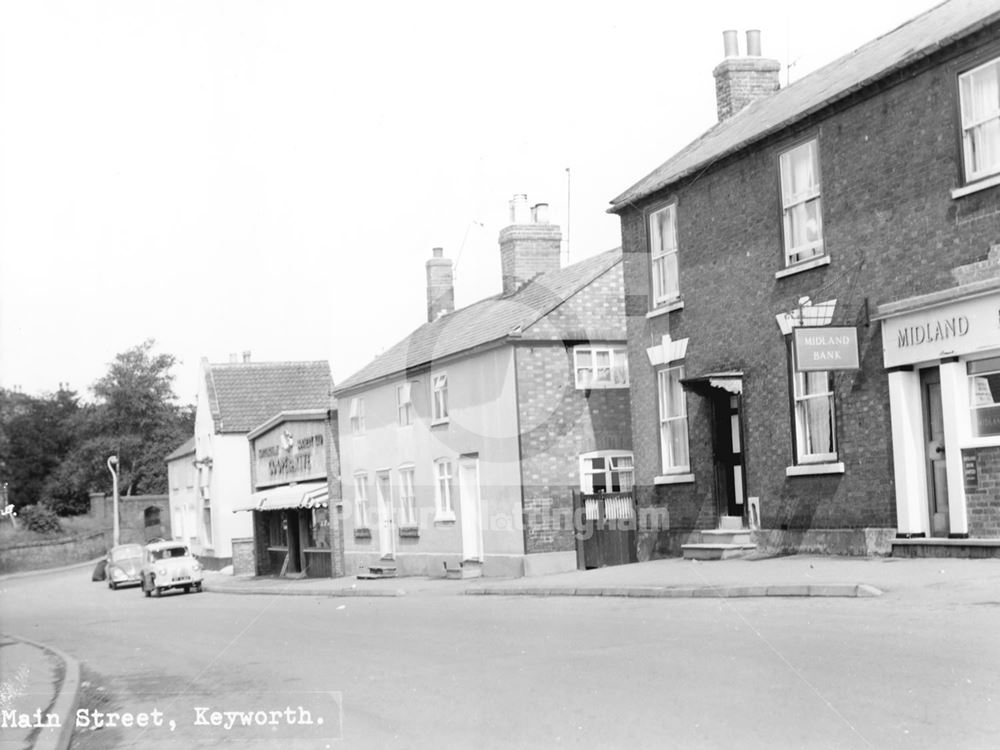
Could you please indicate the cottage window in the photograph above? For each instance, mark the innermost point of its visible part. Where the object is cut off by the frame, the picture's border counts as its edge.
(979, 90)
(815, 418)
(673, 421)
(404, 404)
(357, 416)
(600, 367)
(361, 500)
(442, 491)
(407, 499)
(606, 471)
(800, 202)
(663, 255)
(439, 386)
(984, 385)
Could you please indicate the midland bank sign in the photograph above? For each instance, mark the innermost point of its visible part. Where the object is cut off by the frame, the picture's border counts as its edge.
(826, 348)
(962, 327)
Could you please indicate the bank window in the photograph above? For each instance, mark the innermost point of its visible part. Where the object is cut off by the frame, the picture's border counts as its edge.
(442, 491)
(404, 404)
(407, 498)
(815, 419)
(984, 384)
(800, 203)
(361, 500)
(439, 387)
(606, 472)
(673, 421)
(979, 90)
(357, 416)
(663, 255)
(600, 367)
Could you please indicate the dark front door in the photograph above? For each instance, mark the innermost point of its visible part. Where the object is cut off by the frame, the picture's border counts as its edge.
(727, 441)
(294, 544)
(605, 527)
(937, 472)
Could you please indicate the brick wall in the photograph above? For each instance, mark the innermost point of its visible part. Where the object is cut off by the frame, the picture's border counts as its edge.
(983, 502)
(244, 562)
(891, 229)
(132, 515)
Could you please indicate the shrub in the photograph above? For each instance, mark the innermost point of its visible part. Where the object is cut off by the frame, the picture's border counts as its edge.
(39, 519)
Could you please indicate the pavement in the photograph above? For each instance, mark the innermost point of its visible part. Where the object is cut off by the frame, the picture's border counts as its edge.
(41, 686)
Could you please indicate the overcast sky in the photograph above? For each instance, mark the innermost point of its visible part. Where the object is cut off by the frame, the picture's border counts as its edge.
(271, 176)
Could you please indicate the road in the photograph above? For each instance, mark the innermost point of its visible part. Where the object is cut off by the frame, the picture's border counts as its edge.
(443, 671)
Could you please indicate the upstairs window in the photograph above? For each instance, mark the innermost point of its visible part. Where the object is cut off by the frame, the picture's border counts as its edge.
(439, 386)
(357, 416)
(979, 90)
(663, 255)
(601, 366)
(815, 419)
(404, 406)
(800, 203)
(673, 421)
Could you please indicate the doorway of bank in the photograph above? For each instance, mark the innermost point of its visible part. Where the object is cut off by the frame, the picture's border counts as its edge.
(936, 452)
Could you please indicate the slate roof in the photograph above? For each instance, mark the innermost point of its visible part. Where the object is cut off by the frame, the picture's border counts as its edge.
(184, 449)
(243, 395)
(487, 321)
(915, 39)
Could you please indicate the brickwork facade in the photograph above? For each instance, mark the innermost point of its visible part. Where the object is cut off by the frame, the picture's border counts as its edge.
(889, 160)
(983, 498)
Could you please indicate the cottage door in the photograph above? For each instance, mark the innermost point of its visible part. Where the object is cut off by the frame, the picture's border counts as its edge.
(937, 472)
(386, 527)
(728, 447)
(472, 523)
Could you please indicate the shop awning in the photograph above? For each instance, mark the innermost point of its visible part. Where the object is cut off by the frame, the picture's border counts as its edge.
(305, 495)
(727, 381)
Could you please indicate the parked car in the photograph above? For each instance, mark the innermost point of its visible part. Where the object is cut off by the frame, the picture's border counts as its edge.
(124, 565)
(169, 565)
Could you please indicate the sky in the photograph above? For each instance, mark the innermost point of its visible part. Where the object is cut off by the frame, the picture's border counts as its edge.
(271, 177)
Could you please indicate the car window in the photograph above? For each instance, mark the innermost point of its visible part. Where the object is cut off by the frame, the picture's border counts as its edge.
(126, 553)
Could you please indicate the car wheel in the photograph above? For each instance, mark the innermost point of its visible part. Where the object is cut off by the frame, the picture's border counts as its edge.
(197, 588)
(112, 585)
(187, 589)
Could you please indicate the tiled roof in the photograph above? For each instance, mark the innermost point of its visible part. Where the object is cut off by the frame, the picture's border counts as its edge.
(907, 44)
(486, 321)
(243, 395)
(184, 449)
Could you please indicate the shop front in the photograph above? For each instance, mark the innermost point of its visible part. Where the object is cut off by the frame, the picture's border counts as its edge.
(942, 356)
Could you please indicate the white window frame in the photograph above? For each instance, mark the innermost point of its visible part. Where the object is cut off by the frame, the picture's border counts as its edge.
(361, 510)
(617, 362)
(669, 422)
(613, 460)
(809, 251)
(407, 496)
(978, 371)
(443, 490)
(404, 403)
(979, 123)
(663, 265)
(357, 416)
(439, 397)
(803, 427)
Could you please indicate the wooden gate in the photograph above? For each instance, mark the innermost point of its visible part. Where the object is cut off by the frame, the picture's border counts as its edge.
(605, 526)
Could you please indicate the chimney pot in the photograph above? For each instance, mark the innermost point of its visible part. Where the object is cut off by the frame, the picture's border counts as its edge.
(246, 356)
(530, 246)
(519, 213)
(753, 43)
(740, 81)
(540, 213)
(437, 252)
(440, 285)
(731, 43)
(232, 358)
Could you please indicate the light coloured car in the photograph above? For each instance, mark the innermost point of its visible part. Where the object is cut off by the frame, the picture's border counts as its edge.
(124, 565)
(169, 565)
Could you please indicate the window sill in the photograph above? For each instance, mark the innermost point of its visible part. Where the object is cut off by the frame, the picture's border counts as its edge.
(807, 470)
(445, 518)
(806, 265)
(362, 533)
(441, 422)
(677, 304)
(674, 479)
(975, 187)
(409, 532)
(602, 387)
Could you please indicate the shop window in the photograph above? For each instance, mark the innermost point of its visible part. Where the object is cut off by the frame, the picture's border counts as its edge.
(404, 404)
(606, 471)
(206, 515)
(445, 509)
(357, 416)
(984, 384)
(802, 217)
(440, 397)
(673, 421)
(815, 417)
(600, 367)
(277, 529)
(361, 500)
(318, 531)
(407, 499)
(663, 256)
(979, 90)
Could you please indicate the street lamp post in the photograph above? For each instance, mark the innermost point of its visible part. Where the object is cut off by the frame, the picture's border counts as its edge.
(112, 463)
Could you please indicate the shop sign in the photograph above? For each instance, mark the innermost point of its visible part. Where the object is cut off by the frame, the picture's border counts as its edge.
(970, 472)
(292, 452)
(962, 327)
(819, 348)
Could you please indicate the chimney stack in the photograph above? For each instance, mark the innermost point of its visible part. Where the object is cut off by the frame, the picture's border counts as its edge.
(742, 80)
(530, 246)
(440, 285)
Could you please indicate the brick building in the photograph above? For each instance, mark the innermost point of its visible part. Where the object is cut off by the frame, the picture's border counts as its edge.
(462, 445)
(858, 204)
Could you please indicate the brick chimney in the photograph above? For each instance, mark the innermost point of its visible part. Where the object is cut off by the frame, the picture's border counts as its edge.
(440, 285)
(529, 246)
(742, 80)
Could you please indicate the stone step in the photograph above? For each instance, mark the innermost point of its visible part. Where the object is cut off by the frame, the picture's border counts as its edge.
(731, 523)
(716, 551)
(726, 536)
(465, 569)
(379, 571)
